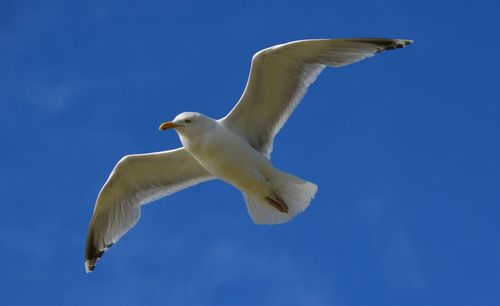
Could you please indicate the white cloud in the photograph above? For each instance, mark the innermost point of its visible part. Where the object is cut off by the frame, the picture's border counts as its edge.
(278, 278)
(384, 215)
(53, 98)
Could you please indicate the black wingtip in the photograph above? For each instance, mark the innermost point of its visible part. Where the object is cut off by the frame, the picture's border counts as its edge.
(92, 252)
(401, 43)
(92, 255)
(391, 44)
(383, 44)
(89, 265)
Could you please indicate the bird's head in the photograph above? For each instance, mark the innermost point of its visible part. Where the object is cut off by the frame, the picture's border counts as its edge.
(188, 124)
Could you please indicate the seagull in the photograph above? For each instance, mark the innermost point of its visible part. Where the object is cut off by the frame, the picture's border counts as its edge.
(235, 149)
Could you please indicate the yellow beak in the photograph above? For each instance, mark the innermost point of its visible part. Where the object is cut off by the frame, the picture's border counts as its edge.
(167, 125)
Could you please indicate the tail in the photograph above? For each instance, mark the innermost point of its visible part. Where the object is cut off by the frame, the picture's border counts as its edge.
(295, 192)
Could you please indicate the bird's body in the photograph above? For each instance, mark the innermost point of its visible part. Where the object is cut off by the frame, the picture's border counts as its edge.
(230, 158)
(235, 149)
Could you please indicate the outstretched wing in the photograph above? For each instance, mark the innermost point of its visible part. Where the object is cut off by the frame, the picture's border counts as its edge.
(279, 78)
(135, 181)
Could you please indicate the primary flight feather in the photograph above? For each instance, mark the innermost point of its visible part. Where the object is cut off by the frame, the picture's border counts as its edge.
(235, 149)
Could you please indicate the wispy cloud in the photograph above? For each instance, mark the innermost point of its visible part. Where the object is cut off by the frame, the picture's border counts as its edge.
(53, 98)
(401, 258)
(276, 278)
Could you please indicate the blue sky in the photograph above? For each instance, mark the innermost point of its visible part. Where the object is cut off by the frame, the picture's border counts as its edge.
(408, 170)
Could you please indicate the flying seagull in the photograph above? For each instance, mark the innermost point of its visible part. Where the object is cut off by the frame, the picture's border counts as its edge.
(235, 149)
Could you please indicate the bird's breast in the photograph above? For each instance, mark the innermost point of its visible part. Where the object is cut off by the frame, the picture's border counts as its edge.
(229, 157)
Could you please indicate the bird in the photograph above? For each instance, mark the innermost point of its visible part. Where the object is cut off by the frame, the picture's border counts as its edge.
(235, 149)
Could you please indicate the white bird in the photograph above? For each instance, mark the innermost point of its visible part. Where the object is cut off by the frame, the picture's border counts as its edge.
(235, 149)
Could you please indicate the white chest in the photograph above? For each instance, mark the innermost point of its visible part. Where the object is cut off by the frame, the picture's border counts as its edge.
(227, 156)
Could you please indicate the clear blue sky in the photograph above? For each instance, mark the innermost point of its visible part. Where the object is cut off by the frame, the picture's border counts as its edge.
(408, 206)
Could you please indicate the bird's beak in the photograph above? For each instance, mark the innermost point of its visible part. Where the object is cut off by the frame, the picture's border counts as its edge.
(167, 125)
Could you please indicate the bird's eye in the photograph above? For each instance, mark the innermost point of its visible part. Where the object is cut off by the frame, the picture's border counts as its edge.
(187, 121)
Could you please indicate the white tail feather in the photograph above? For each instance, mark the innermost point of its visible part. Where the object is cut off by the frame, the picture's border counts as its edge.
(296, 193)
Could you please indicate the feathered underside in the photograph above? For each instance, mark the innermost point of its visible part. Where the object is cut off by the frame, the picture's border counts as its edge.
(136, 180)
(279, 78)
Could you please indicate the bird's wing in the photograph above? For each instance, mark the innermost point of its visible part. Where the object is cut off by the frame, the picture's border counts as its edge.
(280, 75)
(135, 181)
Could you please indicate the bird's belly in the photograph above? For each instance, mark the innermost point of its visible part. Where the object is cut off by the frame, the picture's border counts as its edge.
(236, 163)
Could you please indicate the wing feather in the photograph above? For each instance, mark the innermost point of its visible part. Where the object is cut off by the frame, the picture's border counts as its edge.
(279, 78)
(137, 180)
